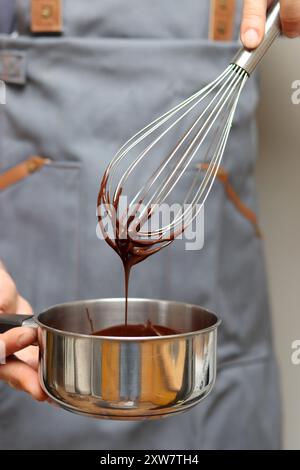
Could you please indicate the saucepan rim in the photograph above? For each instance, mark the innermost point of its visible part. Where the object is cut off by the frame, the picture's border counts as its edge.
(126, 338)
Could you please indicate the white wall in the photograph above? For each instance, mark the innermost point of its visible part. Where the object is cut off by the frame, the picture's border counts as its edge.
(278, 178)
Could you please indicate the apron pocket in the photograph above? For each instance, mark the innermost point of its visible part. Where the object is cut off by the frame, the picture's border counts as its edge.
(39, 233)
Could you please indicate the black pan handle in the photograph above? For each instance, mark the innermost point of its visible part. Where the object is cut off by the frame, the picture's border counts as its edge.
(12, 320)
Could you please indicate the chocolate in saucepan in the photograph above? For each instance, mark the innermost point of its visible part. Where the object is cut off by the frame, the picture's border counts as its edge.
(131, 330)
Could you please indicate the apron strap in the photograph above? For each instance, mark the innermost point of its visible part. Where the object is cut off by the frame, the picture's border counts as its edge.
(222, 16)
(46, 17)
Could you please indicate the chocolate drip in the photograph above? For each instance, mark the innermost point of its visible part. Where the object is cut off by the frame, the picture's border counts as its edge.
(132, 250)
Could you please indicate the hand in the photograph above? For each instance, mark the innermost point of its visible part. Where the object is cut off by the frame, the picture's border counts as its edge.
(20, 370)
(254, 19)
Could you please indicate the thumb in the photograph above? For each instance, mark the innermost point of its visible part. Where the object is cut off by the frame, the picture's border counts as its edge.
(253, 22)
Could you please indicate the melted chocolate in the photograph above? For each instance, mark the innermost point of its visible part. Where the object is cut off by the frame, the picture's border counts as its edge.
(131, 250)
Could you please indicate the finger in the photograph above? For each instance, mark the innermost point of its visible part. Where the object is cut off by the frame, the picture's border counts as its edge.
(30, 356)
(290, 17)
(8, 293)
(21, 377)
(23, 307)
(253, 22)
(18, 338)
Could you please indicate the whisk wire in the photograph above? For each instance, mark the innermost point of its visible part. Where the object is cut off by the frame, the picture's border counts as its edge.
(154, 177)
(235, 81)
(149, 129)
(217, 112)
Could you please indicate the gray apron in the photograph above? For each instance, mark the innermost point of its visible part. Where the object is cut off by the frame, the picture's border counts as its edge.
(117, 65)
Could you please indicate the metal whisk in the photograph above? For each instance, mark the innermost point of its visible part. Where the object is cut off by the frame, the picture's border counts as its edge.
(205, 138)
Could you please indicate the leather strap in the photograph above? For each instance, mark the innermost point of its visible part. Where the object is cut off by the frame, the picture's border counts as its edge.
(21, 171)
(46, 16)
(222, 13)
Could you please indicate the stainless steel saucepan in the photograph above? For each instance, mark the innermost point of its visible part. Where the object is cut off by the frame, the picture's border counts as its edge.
(125, 378)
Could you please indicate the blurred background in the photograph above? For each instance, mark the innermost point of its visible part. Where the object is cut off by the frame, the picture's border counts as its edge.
(278, 173)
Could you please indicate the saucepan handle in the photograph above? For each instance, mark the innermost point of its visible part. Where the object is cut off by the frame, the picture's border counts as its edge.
(12, 320)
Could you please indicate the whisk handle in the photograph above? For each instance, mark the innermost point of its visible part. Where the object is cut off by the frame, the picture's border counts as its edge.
(248, 60)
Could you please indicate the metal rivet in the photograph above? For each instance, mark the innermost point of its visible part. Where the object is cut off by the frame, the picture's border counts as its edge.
(46, 12)
(31, 167)
(222, 28)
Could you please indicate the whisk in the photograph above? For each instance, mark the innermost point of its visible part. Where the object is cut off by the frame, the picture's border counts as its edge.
(204, 138)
